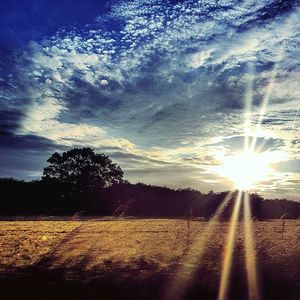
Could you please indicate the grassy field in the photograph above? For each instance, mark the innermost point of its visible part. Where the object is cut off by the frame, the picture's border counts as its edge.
(142, 259)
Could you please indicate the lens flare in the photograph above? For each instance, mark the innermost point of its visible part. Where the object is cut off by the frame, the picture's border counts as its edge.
(229, 246)
(245, 169)
(251, 265)
(181, 281)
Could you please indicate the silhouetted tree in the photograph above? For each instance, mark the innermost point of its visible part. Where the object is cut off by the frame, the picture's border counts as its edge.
(84, 168)
(84, 173)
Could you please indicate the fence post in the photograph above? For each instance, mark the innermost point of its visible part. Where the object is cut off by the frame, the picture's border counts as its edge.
(283, 224)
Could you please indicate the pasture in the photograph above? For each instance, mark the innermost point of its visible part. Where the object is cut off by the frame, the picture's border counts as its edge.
(143, 259)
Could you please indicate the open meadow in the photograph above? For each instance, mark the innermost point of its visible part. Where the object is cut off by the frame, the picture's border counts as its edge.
(143, 259)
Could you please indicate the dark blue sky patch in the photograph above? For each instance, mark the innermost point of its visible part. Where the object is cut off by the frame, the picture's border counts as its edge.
(23, 21)
(28, 142)
(25, 155)
(10, 121)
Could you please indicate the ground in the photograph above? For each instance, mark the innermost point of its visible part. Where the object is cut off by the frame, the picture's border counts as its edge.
(142, 259)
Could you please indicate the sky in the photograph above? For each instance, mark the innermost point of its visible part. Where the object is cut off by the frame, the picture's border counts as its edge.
(168, 89)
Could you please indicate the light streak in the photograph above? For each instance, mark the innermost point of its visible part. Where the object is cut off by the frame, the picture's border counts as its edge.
(180, 283)
(251, 264)
(229, 246)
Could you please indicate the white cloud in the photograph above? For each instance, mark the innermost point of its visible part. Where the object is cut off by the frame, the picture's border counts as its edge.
(104, 82)
(199, 59)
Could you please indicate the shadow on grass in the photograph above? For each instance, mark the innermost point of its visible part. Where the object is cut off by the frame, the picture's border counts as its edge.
(142, 280)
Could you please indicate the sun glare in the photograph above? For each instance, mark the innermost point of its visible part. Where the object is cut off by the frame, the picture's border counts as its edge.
(246, 169)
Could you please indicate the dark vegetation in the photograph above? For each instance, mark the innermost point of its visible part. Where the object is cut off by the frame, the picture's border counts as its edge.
(52, 198)
(34, 283)
(81, 181)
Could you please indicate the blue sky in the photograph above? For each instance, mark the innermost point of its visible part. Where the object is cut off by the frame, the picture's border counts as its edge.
(160, 86)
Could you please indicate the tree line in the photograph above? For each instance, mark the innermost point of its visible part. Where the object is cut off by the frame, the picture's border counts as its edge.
(81, 180)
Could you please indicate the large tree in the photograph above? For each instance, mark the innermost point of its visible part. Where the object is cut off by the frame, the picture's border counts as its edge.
(83, 168)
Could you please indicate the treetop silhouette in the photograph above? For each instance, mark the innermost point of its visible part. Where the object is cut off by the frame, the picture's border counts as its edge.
(84, 168)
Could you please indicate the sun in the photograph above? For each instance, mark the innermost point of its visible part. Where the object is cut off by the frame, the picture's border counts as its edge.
(246, 169)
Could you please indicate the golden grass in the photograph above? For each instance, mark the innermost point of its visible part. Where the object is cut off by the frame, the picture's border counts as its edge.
(24, 242)
(145, 245)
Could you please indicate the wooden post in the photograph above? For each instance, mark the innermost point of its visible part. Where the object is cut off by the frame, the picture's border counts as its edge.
(188, 229)
(189, 219)
(282, 231)
(283, 224)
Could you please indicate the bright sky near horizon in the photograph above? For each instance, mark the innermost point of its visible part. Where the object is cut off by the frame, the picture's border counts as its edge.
(161, 86)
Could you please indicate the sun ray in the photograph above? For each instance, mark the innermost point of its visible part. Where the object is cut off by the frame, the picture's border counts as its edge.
(264, 105)
(180, 283)
(274, 72)
(227, 259)
(248, 106)
(251, 265)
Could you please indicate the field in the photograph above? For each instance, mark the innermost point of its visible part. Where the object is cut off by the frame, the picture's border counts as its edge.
(143, 259)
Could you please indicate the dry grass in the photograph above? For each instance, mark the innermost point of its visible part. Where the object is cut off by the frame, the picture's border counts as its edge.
(143, 247)
(162, 242)
(24, 242)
